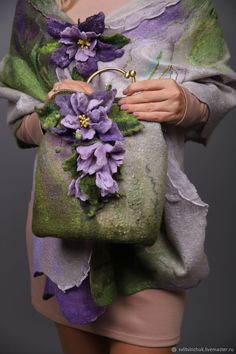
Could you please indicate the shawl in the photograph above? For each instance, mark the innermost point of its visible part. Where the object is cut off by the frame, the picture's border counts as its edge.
(179, 39)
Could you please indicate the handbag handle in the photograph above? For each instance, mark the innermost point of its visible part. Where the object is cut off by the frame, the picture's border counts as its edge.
(127, 74)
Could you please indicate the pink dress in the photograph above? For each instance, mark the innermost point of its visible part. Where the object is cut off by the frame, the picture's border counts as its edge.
(151, 317)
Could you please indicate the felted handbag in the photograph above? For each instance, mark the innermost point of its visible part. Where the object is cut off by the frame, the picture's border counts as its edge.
(74, 197)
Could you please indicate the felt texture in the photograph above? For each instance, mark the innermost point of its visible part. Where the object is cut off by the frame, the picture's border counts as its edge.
(181, 40)
(134, 218)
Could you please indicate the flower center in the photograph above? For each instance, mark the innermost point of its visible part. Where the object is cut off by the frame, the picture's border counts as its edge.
(84, 121)
(84, 43)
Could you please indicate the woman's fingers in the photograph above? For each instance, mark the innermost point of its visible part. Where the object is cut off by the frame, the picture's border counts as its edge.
(73, 85)
(145, 97)
(160, 117)
(154, 98)
(147, 107)
(149, 85)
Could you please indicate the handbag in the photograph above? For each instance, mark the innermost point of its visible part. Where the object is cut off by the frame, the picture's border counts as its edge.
(134, 215)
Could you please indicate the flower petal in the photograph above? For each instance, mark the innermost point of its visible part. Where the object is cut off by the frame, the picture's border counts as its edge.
(88, 133)
(55, 26)
(71, 121)
(107, 52)
(86, 151)
(65, 134)
(107, 97)
(98, 114)
(84, 165)
(89, 52)
(71, 188)
(71, 51)
(103, 125)
(112, 165)
(60, 57)
(93, 23)
(113, 134)
(78, 193)
(81, 55)
(66, 41)
(100, 154)
(79, 102)
(118, 148)
(64, 103)
(106, 183)
(88, 67)
(93, 103)
(71, 32)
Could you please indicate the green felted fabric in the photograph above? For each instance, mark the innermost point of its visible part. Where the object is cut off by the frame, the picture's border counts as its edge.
(134, 217)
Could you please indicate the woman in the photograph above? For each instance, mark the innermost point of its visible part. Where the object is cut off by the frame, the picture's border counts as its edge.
(148, 321)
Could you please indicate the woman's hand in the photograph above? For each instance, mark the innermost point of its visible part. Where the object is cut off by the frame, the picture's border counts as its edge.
(156, 100)
(73, 85)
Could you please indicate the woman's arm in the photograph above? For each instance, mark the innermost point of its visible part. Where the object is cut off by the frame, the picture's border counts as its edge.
(19, 105)
(196, 112)
(219, 94)
(165, 101)
(30, 130)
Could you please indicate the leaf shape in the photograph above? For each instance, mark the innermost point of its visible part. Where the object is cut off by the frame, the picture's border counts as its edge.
(88, 186)
(51, 120)
(76, 75)
(49, 115)
(49, 47)
(70, 165)
(118, 40)
(118, 175)
(94, 203)
(126, 122)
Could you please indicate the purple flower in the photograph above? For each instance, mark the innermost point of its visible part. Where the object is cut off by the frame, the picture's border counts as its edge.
(81, 43)
(74, 189)
(95, 157)
(65, 134)
(102, 159)
(105, 182)
(86, 115)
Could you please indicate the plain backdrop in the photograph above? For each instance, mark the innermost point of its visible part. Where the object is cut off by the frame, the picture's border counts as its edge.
(210, 316)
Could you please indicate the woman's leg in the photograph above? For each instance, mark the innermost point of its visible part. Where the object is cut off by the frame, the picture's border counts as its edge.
(75, 341)
(118, 347)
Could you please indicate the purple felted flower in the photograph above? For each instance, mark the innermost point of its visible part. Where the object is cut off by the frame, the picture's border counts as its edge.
(65, 134)
(104, 160)
(87, 115)
(74, 189)
(94, 157)
(82, 43)
(105, 182)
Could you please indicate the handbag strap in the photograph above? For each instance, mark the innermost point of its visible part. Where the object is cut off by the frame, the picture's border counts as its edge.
(127, 75)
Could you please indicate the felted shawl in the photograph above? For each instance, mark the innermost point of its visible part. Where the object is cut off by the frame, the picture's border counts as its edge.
(179, 39)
